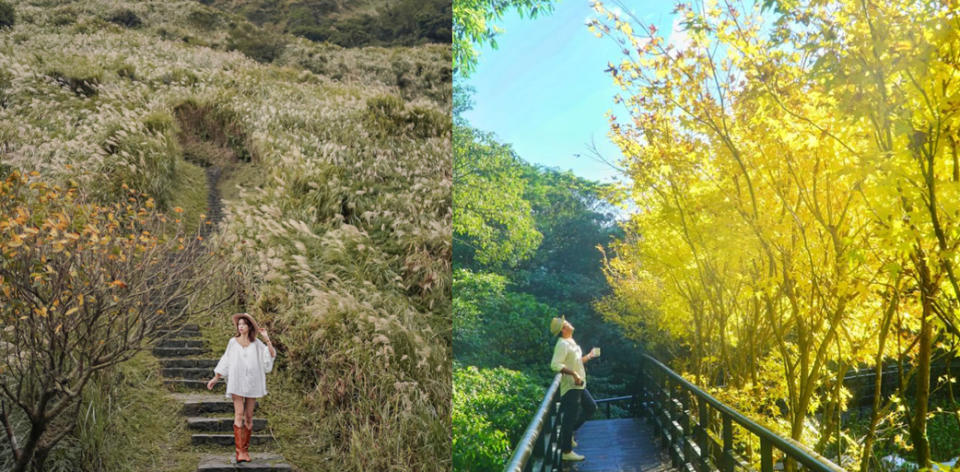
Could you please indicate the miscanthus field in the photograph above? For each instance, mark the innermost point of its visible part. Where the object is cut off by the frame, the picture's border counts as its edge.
(335, 193)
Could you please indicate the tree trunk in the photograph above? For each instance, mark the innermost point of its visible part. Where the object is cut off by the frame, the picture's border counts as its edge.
(918, 428)
(867, 453)
(37, 427)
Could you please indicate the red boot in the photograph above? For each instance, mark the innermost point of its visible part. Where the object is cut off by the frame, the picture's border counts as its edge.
(244, 455)
(238, 440)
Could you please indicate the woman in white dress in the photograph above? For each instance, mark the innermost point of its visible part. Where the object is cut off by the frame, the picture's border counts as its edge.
(245, 364)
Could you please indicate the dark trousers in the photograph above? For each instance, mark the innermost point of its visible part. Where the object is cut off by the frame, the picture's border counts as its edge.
(576, 406)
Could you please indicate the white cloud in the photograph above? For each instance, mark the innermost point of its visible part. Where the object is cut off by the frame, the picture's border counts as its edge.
(678, 38)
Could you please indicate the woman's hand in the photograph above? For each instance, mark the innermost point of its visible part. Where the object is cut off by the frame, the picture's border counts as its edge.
(211, 383)
(266, 337)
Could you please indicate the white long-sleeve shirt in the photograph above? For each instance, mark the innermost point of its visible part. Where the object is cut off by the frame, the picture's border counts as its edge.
(245, 368)
(567, 354)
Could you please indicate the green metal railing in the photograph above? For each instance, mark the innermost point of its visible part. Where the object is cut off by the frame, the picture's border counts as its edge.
(669, 400)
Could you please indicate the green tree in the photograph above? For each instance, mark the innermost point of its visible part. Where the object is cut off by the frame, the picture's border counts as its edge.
(492, 223)
(493, 326)
(473, 26)
(566, 271)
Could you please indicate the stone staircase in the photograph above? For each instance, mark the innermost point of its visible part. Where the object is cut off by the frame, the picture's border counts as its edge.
(209, 415)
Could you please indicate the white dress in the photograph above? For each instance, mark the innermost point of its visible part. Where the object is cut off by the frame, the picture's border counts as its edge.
(245, 368)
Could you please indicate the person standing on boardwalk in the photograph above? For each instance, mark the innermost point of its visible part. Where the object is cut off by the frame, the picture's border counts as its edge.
(245, 364)
(576, 404)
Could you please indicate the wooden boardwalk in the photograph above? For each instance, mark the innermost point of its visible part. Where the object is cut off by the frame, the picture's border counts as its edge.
(619, 445)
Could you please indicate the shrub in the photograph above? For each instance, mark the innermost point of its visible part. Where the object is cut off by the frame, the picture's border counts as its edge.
(59, 248)
(387, 115)
(64, 16)
(125, 17)
(491, 408)
(313, 33)
(159, 122)
(125, 70)
(146, 162)
(428, 123)
(356, 31)
(89, 25)
(6, 80)
(261, 12)
(402, 69)
(179, 76)
(204, 19)
(115, 432)
(77, 74)
(260, 45)
(484, 308)
(214, 135)
(7, 15)
(405, 22)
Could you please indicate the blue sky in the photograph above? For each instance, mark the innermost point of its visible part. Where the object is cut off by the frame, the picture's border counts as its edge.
(544, 91)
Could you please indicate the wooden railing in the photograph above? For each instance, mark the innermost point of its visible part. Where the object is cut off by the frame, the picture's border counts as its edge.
(631, 400)
(539, 449)
(698, 429)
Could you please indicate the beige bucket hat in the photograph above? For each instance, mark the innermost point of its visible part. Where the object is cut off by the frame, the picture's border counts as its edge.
(556, 324)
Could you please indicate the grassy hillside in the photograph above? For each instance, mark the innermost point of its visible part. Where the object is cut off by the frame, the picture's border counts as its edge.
(351, 23)
(336, 208)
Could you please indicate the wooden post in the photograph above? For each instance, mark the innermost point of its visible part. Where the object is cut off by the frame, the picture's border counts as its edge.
(664, 403)
(670, 409)
(726, 462)
(552, 462)
(643, 388)
(684, 421)
(703, 424)
(766, 455)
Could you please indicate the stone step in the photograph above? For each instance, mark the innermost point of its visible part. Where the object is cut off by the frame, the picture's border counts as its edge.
(187, 333)
(202, 403)
(194, 373)
(180, 343)
(227, 439)
(221, 424)
(176, 363)
(184, 327)
(178, 351)
(262, 462)
(194, 384)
